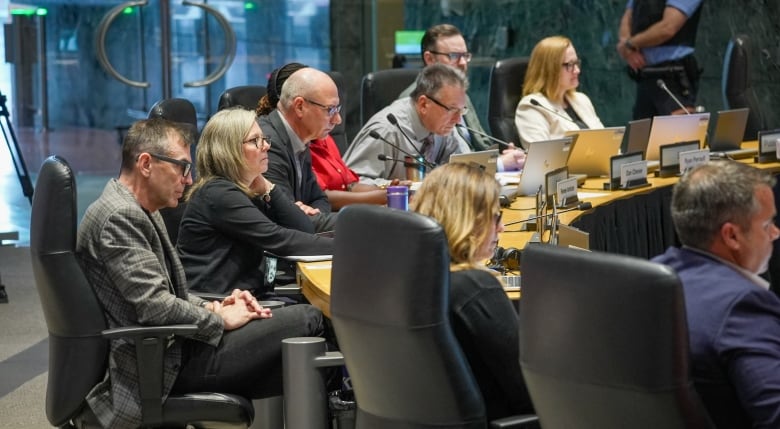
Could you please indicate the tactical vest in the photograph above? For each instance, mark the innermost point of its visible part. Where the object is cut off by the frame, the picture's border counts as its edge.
(647, 12)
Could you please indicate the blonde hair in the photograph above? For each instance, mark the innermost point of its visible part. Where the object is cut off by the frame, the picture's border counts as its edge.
(463, 199)
(220, 153)
(545, 67)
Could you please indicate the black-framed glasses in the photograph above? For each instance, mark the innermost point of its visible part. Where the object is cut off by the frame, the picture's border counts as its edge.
(454, 56)
(256, 141)
(497, 218)
(332, 109)
(186, 166)
(569, 66)
(452, 110)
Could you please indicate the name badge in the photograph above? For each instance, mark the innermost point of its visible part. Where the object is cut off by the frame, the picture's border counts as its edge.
(693, 158)
(633, 172)
(567, 191)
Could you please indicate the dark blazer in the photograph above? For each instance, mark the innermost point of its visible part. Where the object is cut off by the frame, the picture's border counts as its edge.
(223, 234)
(281, 165)
(734, 330)
(138, 278)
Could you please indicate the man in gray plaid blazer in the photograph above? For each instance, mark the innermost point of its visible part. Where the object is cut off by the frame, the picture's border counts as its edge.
(129, 260)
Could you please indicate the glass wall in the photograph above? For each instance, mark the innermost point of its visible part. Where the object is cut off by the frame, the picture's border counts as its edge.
(80, 70)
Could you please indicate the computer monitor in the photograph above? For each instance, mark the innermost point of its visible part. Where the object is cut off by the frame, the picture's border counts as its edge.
(407, 42)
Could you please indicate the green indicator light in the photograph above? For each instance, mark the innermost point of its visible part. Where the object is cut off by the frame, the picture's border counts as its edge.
(41, 11)
(128, 10)
(249, 6)
(25, 12)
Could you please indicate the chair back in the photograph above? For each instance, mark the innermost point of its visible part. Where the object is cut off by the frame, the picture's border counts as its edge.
(604, 342)
(736, 85)
(74, 318)
(339, 132)
(390, 311)
(380, 88)
(506, 90)
(182, 111)
(246, 96)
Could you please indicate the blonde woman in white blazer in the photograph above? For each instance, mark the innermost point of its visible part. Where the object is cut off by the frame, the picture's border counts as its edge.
(551, 104)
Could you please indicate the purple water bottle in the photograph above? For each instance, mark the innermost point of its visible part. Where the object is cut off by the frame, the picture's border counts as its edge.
(398, 197)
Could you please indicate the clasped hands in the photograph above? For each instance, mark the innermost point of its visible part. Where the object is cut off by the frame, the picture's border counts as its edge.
(633, 57)
(238, 309)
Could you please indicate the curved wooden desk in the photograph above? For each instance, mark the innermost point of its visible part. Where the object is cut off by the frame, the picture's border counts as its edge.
(635, 222)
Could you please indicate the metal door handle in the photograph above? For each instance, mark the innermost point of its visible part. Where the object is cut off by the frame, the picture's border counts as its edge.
(102, 57)
(230, 46)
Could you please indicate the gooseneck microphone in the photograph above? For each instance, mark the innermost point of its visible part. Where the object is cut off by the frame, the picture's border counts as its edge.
(414, 162)
(661, 84)
(375, 134)
(585, 205)
(538, 104)
(504, 144)
(394, 121)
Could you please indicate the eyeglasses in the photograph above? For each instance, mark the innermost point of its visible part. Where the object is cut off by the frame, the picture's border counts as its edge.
(497, 218)
(451, 110)
(454, 56)
(571, 64)
(332, 110)
(186, 166)
(255, 141)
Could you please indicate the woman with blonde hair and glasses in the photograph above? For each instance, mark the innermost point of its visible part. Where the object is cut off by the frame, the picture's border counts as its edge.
(234, 214)
(464, 200)
(551, 104)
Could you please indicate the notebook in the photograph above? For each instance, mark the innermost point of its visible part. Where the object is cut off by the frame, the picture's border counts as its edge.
(541, 158)
(590, 156)
(635, 138)
(675, 129)
(726, 132)
(486, 158)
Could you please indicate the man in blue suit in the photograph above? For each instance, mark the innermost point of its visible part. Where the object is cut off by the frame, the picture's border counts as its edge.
(724, 216)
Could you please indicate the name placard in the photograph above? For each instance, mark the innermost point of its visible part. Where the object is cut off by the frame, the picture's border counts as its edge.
(768, 147)
(633, 174)
(691, 159)
(567, 192)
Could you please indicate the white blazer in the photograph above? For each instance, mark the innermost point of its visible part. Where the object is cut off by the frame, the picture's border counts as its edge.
(535, 123)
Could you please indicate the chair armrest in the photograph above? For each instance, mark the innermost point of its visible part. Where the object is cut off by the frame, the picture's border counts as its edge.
(150, 345)
(209, 296)
(135, 332)
(523, 421)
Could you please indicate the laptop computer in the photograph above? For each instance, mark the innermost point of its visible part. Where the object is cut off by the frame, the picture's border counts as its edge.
(541, 158)
(726, 132)
(674, 129)
(486, 159)
(636, 136)
(590, 156)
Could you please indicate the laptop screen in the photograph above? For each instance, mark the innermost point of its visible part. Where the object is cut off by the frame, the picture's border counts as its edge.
(728, 128)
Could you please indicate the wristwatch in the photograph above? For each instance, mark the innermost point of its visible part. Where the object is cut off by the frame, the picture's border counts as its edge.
(630, 46)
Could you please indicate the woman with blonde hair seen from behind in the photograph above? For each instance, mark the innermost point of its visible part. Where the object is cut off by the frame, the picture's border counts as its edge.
(465, 201)
(551, 104)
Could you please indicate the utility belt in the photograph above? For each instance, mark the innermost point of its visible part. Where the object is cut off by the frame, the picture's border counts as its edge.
(685, 72)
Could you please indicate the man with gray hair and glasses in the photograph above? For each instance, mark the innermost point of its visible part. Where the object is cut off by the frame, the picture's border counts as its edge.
(421, 126)
(724, 214)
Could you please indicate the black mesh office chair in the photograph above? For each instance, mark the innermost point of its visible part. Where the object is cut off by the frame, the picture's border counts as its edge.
(506, 90)
(390, 310)
(182, 111)
(246, 96)
(78, 333)
(604, 342)
(380, 88)
(736, 85)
